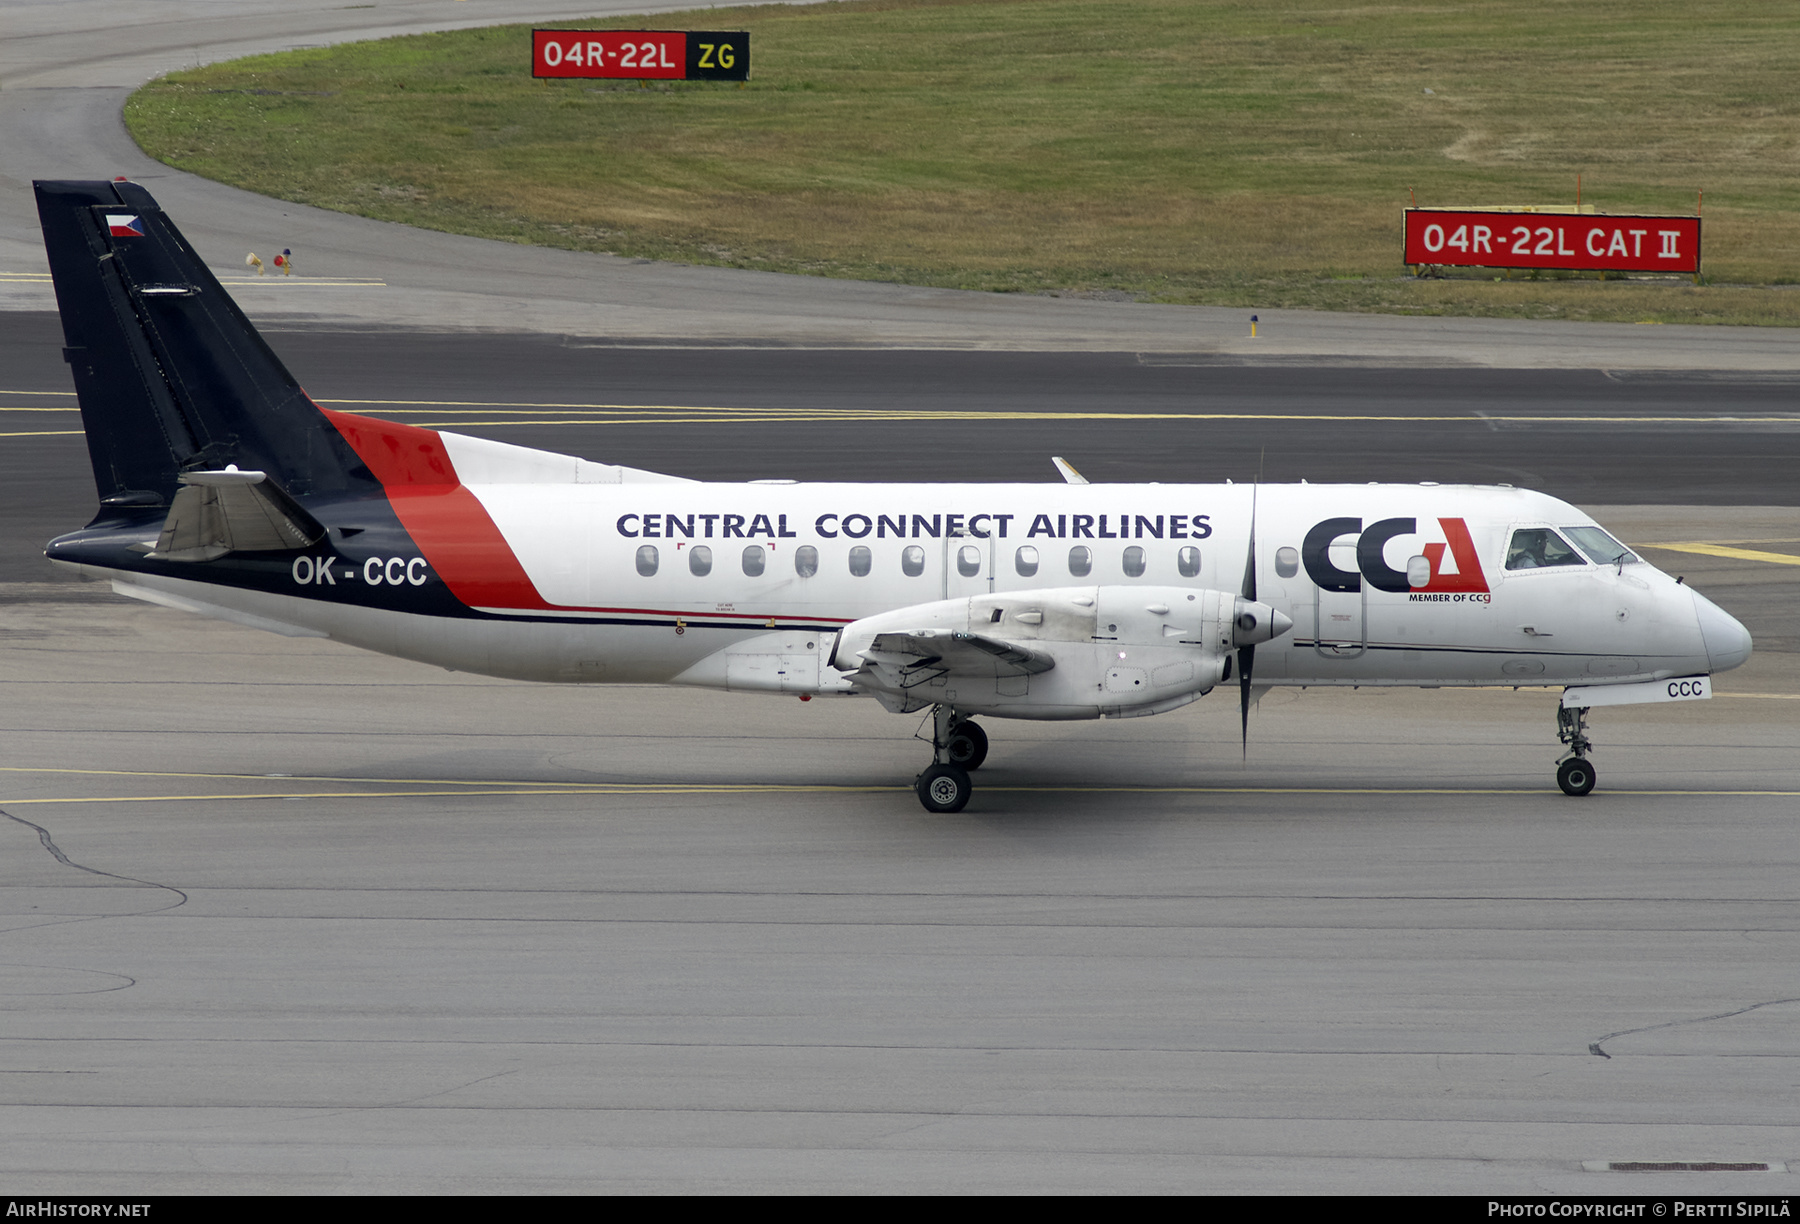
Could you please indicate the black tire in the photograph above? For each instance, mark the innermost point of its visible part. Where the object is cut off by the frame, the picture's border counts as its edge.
(944, 788)
(968, 746)
(1576, 776)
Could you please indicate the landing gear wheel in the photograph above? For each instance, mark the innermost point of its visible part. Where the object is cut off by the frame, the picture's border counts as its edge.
(1575, 776)
(968, 746)
(944, 788)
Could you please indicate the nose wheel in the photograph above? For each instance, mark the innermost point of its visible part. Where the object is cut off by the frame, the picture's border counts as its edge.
(1575, 774)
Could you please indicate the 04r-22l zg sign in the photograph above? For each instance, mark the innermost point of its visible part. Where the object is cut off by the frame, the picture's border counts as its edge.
(642, 55)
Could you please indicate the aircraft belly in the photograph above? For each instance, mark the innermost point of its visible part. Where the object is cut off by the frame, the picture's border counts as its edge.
(543, 651)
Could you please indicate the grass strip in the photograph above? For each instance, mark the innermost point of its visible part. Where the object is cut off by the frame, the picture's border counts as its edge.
(1193, 151)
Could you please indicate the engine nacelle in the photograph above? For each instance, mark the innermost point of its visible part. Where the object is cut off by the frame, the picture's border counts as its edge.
(1054, 653)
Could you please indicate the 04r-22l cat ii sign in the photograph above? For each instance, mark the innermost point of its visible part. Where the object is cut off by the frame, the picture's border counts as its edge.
(226, 491)
(642, 55)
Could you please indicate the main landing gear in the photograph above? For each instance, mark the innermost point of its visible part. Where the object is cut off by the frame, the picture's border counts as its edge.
(1575, 773)
(958, 746)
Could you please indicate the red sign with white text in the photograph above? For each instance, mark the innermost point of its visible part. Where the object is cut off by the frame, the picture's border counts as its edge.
(1584, 242)
(636, 55)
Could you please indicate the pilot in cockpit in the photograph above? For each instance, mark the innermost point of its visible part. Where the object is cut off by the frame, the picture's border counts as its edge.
(1539, 548)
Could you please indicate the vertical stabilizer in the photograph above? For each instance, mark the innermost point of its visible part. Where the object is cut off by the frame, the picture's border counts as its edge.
(170, 375)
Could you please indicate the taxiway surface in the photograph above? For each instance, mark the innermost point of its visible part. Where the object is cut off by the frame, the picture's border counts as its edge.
(284, 917)
(758, 410)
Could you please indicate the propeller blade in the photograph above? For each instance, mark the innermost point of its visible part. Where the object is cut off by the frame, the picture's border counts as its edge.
(1246, 662)
(1249, 591)
(1247, 654)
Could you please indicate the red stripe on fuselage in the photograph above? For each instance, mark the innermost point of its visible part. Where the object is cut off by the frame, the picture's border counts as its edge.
(461, 542)
(451, 527)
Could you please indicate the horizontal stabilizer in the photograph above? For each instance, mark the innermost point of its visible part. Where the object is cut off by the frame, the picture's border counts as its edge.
(227, 511)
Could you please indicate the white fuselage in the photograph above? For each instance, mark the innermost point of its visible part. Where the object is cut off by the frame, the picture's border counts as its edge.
(634, 578)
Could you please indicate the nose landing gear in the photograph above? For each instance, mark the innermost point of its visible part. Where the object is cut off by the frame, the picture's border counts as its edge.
(958, 746)
(1575, 773)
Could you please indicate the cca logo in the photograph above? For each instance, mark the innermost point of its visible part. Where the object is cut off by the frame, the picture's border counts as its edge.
(1372, 567)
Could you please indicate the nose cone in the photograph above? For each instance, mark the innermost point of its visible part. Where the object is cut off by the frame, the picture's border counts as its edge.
(1727, 641)
(1257, 622)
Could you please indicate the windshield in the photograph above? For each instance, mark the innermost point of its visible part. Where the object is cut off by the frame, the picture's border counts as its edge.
(1539, 548)
(1600, 548)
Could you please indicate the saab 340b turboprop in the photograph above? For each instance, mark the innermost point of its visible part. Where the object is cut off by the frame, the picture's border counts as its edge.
(224, 490)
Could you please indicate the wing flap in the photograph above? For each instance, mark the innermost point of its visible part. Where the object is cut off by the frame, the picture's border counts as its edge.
(903, 660)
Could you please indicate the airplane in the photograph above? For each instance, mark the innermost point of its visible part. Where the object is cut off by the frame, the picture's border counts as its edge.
(226, 491)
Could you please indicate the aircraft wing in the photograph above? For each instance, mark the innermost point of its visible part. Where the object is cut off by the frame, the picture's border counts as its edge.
(902, 660)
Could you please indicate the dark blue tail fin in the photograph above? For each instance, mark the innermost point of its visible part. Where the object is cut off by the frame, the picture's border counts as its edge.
(170, 375)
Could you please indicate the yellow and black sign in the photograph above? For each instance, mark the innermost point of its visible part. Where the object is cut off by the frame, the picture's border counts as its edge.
(642, 55)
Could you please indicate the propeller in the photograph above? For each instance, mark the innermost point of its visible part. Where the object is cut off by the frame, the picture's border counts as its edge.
(1252, 622)
(1246, 660)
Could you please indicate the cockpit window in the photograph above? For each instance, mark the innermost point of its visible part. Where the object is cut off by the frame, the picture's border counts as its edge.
(1601, 548)
(1539, 548)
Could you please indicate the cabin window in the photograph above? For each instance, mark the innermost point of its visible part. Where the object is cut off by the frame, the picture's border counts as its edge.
(912, 561)
(1287, 562)
(861, 561)
(1187, 562)
(1601, 548)
(1133, 562)
(755, 561)
(968, 561)
(1539, 548)
(646, 559)
(1026, 561)
(700, 560)
(806, 561)
(1081, 561)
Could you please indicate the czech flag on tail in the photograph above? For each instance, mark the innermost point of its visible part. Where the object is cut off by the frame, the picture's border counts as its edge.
(124, 225)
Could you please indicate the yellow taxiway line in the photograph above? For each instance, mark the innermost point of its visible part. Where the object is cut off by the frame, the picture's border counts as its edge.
(1732, 552)
(451, 788)
(747, 789)
(639, 414)
(328, 282)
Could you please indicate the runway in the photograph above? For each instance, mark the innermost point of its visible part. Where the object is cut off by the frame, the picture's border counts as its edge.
(283, 917)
